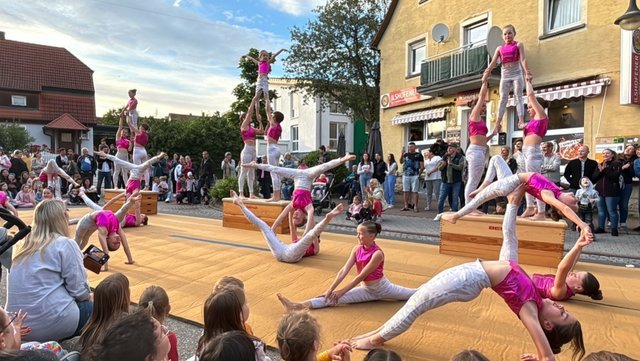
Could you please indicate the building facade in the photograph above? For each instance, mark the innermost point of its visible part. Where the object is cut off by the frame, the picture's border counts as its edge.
(48, 91)
(434, 52)
(307, 124)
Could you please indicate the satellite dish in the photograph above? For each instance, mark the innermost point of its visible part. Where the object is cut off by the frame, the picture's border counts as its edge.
(440, 33)
(494, 39)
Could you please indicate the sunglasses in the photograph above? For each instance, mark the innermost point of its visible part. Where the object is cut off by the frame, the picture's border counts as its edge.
(15, 314)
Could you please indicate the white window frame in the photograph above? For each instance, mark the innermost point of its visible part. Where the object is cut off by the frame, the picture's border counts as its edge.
(295, 138)
(336, 108)
(473, 22)
(414, 67)
(338, 126)
(547, 8)
(19, 100)
(294, 106)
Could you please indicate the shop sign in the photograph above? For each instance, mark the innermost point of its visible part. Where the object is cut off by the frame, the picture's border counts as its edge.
(463, 99)
(565, 145)
(635, 67)
(400, 97)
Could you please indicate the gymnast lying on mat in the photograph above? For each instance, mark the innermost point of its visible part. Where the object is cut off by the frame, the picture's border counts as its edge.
(308, 245)
(369, 285)
(549, 325)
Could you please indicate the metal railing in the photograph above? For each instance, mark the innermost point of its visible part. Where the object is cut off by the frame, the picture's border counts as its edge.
(454, 64)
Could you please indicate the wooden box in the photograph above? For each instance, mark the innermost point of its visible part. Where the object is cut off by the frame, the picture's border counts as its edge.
(266, 211)
(541, 243)
(148, 203)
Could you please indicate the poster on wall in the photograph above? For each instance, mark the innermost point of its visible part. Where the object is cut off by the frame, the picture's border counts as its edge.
(616, 144)
(565, 145)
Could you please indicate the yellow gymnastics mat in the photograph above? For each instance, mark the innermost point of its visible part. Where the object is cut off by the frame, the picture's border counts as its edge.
(186, 255)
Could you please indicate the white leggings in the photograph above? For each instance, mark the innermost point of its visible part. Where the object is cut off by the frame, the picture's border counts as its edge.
(51, 170)
(140, 156)
(461, 283)
(118, 169)
(133, 118)
(533, 159)
(136, 170)
(273, 156)
(302, 178)
(288, 253)
(509, 249)
(475, 157)
(247, 175)
(511, 76)
(383, 289)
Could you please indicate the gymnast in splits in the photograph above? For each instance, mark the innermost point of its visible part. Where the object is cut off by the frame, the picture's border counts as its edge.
(50, 175)
(369, 285)
(547, 322)
(303, 181)
(136, 171)
(308, 245)
(126, 219)
(537, 185)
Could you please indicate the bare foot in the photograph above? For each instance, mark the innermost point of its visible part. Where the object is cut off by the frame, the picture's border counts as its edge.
(236, 200)
(252, 196)
(337, 210)
(449, 217)
(273, 199)
(290, 306)
(348, 157)
(538, 217)
(529, 212)
(366, 343)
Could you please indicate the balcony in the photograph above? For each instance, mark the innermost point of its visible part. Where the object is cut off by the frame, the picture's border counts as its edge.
(454, 71)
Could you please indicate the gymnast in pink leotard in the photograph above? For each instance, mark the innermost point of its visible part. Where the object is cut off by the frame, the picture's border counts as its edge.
(248, 154)
(263, 62)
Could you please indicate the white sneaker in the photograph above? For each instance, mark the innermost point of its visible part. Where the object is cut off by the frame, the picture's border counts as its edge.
(622, 225)
(341, 197)
(390, 206)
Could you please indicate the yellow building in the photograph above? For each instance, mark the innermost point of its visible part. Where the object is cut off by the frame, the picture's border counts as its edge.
(433, 53)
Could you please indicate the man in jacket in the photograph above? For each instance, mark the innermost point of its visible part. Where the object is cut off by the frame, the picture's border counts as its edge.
(452, 167)
(580, 167)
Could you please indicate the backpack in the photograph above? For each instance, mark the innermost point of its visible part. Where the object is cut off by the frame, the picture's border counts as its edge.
(85, 164)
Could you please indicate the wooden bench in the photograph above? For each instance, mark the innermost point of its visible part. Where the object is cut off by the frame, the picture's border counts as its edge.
(148, 203)
(267, 211)
(541, 243)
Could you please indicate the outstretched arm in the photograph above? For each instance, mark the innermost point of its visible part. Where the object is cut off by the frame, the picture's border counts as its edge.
(375, 261)
(113, 200)
(549, 198)
(476, 112)
(492, 65)
(523, 62)
(250, 58)
(273, 57)
(329, 295)
(125, 246)
(559, 289)
(285, 212)
(102, 237)
(529, 317)
(248, 118)
(123, 163)
(311, 222)
(531, 96)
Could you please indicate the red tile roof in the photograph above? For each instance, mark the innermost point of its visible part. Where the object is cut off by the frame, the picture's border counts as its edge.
(81, 107)
(66, 121)
(30, 67)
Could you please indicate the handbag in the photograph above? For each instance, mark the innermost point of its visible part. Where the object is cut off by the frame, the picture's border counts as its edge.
(94, 259)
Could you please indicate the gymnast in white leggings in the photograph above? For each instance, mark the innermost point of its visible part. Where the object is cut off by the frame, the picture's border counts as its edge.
(136, 171)
(369, 285)
(536, 184)
(547, 322)
(140, 140)
(273, 152)
(308, 245)
(247, 176)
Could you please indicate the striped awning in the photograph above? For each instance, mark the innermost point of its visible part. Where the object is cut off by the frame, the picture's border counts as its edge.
(576, 90)
(418, 116)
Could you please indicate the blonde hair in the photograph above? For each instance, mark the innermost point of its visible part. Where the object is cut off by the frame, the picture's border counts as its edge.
(374, 183)
(49, 222)
(297, 333)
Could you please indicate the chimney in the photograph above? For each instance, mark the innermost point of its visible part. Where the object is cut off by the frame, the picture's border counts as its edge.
(1, 35)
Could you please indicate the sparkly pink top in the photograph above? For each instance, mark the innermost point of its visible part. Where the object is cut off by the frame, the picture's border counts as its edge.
(510, 52)
(123, 142)
(537, 183)
(274, 131)
(363, 257)
(108, 220)
(141, 139)
(3, 198)
(249, 134)
(537, 127)
(264, 68)
(132, 103)
(517, 289)
(129, 220)
(544, 284)
(477, 128)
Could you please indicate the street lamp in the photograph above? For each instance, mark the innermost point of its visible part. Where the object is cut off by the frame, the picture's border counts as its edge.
(631, 19)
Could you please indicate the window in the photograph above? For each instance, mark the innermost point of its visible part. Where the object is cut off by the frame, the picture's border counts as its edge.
(565, 115)
(436, 129)
(417, 53)
(336, 108)
(335, 129)
(19, 100)
(294, 138)
(562, 14)
(294, 110)
(476, 33)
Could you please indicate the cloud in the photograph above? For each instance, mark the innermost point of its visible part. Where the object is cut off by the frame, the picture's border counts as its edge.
(177, 3)
(295, 7)
(178, 60)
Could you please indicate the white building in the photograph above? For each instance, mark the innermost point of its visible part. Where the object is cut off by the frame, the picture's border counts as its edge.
(307, 125)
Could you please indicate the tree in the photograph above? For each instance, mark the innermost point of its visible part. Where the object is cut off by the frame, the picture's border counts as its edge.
(245, 91)
(333, 58)
(111, 117)
(13, 136)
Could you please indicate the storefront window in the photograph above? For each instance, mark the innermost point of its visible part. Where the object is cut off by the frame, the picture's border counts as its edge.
(416, 132)
(563, 114)
(436, 129)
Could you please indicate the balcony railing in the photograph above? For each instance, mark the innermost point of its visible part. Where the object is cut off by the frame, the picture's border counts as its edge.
(454, 64)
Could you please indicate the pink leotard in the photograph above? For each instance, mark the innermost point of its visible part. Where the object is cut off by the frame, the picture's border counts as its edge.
(43, 177)
(264, 68)
(141, 139)
(544, 284)
(363, 257)
(537, 183)
(274, 131)
(301, 198)
(517, 289)
(537, 127)
(311, 251)
(129, 220)
(249, 134)
(132, 103)
(510, 52)
(3, 198)
(123, 142)
(477, 128)
(108, 220)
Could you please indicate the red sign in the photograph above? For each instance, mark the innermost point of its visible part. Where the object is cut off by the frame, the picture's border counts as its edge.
(635, 67)
(400, 97)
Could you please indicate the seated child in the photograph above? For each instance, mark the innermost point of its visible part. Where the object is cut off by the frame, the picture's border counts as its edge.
(365, 213)
(354, 208)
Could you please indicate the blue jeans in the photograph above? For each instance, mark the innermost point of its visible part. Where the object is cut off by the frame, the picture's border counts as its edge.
(451, 191)
(608, 206)
(390, 189)
(364, 182)
(86, 308)
(106, 178)
(625, 196)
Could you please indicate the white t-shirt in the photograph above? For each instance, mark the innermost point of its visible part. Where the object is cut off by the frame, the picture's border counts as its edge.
(430, 165)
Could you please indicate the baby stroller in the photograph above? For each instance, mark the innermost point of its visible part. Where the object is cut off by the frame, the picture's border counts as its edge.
(321, 195)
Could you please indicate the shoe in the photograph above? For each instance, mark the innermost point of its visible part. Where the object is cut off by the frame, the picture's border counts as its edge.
(622, 225)
(599, 230)
(167, 200)
(416, 210)
(405, 209)
(614, 232)
(341, 197)
(410, 206)
(390, 206)
(427, 208)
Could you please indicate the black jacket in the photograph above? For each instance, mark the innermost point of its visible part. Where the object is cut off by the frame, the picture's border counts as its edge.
(608, 179)
(101, 162)
(573, 169)
(379, 169)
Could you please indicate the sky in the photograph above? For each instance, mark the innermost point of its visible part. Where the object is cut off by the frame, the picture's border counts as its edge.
(181, 55)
